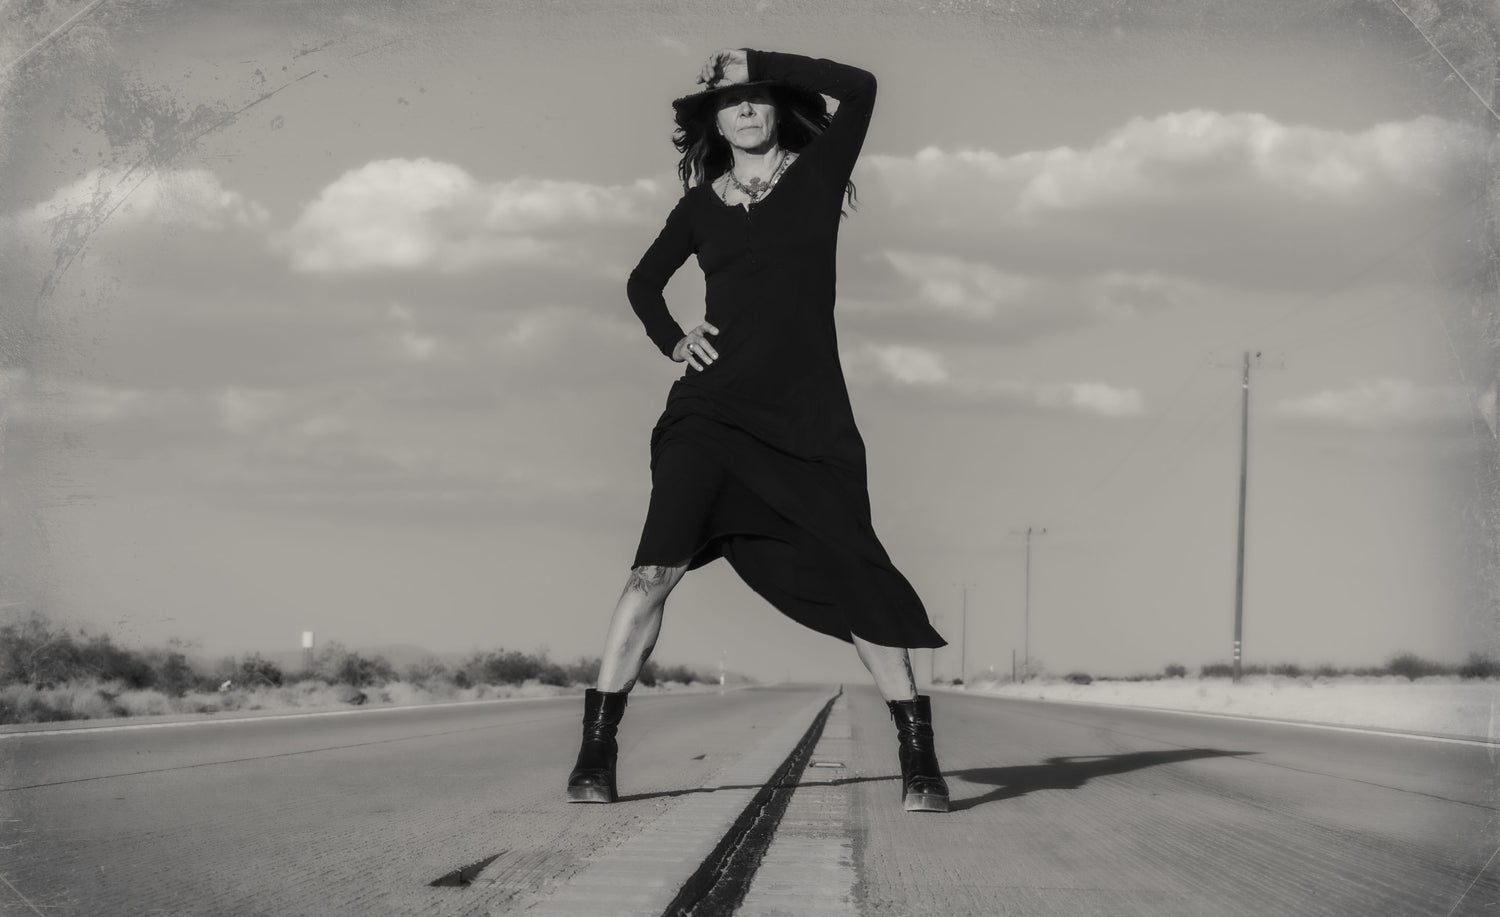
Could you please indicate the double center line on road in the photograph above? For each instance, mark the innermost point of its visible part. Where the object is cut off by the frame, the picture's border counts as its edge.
(720, 883)
(698, 860)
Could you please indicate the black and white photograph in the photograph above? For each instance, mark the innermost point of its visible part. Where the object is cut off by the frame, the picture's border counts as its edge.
(562, 457)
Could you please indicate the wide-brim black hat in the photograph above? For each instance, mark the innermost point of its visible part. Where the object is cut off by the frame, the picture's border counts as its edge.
(694, 109)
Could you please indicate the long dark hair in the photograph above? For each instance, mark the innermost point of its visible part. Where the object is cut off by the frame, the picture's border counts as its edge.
(706, 155)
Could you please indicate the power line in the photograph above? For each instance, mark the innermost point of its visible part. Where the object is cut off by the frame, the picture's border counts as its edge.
(1356, 274)
(1299, 313)
(1434, 47)
(1302, 313)
(1184, 445)
(1130, 450)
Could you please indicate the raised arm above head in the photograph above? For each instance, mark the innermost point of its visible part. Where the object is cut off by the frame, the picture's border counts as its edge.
(854, 89)
(801, 83)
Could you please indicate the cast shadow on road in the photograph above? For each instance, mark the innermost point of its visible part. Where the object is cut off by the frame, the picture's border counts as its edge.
(1069, 773)
(1062, 773)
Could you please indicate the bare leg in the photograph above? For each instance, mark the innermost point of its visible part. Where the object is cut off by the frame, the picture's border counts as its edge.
(635, 625)
(891, 668)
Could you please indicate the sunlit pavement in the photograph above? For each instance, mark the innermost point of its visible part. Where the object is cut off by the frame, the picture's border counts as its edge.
(1057, 809)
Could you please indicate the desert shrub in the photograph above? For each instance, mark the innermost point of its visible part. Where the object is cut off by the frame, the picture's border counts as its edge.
(34, 652)
(1289, 669)
(363, 671)
(678, 673)
(1327, 671)
(1411, 666)
(512, 667)
(255, 671)
(1479, 665)
(175, 676)
(498, 667)
(1226, 670)
(80, 700)
(23, 703)
(584, 672)
(648, 674)
(428, 672)
(336, 665)
(1175, 671)
(1079, 678)
(103, 660)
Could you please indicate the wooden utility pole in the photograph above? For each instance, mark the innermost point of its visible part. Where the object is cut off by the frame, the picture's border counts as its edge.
(1026, 641)
(1239, 574)
(963, 641)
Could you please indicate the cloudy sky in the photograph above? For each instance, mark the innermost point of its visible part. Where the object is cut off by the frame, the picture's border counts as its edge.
(315, 320)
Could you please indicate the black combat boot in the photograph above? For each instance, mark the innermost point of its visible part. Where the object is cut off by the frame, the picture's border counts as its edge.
(922, 786)
(593, 777)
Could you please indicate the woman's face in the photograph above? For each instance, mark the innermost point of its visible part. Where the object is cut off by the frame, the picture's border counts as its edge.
(747, 118)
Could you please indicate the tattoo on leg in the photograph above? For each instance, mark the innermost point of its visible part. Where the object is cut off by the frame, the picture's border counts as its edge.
(644, 579)
(910, 679)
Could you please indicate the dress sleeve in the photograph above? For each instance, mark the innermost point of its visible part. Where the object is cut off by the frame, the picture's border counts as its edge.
(839, 145)
(644, 288)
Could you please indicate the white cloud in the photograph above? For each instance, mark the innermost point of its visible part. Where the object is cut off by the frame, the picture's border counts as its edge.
(1380, 404)
(194, 198)
(1120, 296)
(1229, 197)
(416, 347)
(1094, 398)
(573, 337)
(907, 368)
(910, 365)
(421, 214)
(243, 410)
(955, 285)
(75, 402)
(103, 404)
(1179, 156)
(411, 344)
(321, 425)
(930, 297)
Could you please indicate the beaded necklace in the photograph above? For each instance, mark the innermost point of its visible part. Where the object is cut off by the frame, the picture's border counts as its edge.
(758, 189)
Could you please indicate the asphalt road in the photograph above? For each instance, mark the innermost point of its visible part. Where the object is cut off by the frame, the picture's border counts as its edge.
(1058, 809)
(1074, 810)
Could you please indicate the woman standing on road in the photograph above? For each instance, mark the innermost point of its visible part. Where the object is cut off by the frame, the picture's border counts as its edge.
(757, 458)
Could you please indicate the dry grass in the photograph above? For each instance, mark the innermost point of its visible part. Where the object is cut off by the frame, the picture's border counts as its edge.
(99, 700)
(1446, 705)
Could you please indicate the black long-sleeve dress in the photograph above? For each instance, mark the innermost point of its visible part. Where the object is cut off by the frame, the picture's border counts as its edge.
(789, 507)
